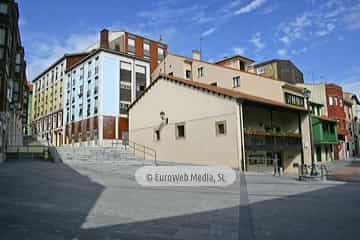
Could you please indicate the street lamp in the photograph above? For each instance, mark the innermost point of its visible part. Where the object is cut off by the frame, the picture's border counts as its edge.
(307, 94)
(163, 118)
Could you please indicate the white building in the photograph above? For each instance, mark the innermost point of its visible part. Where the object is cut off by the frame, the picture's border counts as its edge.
(204, 124)
(98, 90)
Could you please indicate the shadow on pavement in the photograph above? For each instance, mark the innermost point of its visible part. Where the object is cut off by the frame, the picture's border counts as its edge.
(52, 201)
(42, 200)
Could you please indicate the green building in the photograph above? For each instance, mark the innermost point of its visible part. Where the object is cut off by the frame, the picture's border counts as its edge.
(324, 136)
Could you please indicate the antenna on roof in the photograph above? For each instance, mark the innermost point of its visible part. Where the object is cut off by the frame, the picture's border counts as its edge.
(160, 39)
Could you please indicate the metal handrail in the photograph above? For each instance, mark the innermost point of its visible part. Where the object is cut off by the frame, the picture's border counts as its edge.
(143, 149)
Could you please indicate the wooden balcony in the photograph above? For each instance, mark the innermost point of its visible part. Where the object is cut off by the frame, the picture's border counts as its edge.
(261, 140)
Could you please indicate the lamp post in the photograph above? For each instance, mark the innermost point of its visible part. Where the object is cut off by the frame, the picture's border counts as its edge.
(307, 94)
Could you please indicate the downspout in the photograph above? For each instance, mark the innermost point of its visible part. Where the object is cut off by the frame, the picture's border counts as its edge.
(300, 131)
(241, 125)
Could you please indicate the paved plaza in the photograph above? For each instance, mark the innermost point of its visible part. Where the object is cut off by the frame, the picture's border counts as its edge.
(41, 200)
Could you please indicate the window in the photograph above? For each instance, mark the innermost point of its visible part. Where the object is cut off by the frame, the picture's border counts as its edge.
(180, 130)
(3, 8)
(188, 74)
(2, 36)
(141, 88)
(200, 72)
(131, 45)
(160, 54)
(236, 81)
(157, 135)
(220, 128)
(341, 102)
(2, 55)
(260, 70)
(61, 69)
(294, 100)
(146, 49)
(96, 65)
(336, 101)
(331, 101)
(89, 69)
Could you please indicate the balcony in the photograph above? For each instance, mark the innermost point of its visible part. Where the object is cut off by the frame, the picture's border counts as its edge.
(324, 130)
(261, 140)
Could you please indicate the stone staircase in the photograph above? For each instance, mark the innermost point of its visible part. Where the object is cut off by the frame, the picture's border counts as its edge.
(98, 154)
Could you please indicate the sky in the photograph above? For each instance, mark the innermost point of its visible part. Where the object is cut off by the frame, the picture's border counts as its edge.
(320, 36)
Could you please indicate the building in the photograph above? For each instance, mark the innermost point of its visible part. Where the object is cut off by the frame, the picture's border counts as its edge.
(224, 127)
(47, 104)
(351, 103)
(99, 88)
(228, 77)
(49, 87)
(231, 78)
(237, 62)
(27, 120)
(324, 128)
(12, 76)
(279, 69)
(335, 109)
(132, 44)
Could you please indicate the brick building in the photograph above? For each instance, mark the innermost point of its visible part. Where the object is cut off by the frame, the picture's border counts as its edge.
(132, 44)
(335, 109)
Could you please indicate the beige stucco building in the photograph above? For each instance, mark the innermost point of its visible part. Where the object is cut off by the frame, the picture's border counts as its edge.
(214, 125)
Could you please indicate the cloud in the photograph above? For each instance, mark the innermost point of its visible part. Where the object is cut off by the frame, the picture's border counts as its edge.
(238, 51)
(285, 39)
(299, 51)
(270, 9)
(202, 18)
(250, 7)
(43, 51)
(282, 52)
(352, 20)
(165, 12)
(208, 32)
(326, 31)
(324, 18)
(257, 41)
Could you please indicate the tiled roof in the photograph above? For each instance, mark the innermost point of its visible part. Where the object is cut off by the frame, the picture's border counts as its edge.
(219, 90)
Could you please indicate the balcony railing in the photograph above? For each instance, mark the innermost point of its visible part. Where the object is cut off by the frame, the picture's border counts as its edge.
(259, 140)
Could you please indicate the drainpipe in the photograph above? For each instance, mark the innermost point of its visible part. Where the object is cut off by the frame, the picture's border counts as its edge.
(241, 118)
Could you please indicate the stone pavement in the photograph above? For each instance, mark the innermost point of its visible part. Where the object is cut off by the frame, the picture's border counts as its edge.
(102, 201)
(41, 200)
(284, 208)
(348, 171)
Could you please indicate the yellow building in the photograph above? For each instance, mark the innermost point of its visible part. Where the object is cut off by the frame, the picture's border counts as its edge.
(47, 105)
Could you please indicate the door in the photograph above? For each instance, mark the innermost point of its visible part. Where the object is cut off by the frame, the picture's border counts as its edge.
(318, 153)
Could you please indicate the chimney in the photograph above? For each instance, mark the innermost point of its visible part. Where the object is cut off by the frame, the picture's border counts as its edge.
(104, 38)
(196, 55)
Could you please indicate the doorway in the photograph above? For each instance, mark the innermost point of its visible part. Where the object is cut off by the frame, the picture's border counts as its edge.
(318, 153)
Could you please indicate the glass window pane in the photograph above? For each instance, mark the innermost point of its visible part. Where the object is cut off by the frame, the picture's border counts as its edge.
(2, 36)
(3, 8)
